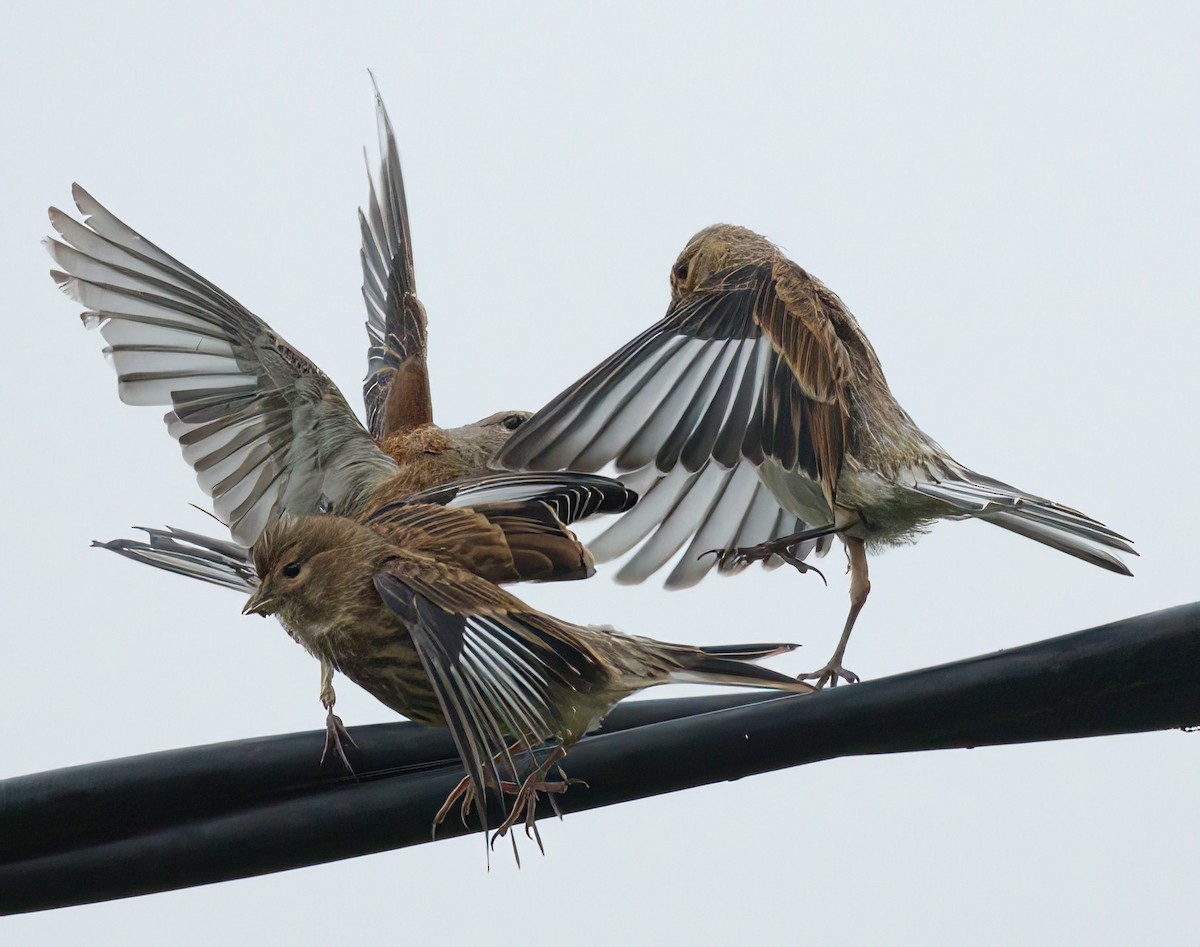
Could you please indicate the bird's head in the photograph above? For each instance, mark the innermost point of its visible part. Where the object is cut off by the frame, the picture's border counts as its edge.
(489, 434)
(712, 253)
(311, 568)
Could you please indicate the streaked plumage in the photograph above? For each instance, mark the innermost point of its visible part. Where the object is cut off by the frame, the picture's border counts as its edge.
(267, 432)
(404, 603)
(757, 409)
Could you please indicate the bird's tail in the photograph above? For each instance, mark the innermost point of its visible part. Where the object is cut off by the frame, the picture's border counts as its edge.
(733, 665)
(185, 553)
(1053, 524)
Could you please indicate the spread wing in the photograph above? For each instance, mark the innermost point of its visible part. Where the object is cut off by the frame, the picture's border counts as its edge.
(748, 369)
(265, 430)
(505, 528)
(571, 496)
(396, 389)
(498, 669)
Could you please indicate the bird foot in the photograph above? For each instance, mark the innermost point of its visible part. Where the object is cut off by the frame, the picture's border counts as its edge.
(524, 807)
(830, 674)
(335, 733)
(464, 791)
(745, 555)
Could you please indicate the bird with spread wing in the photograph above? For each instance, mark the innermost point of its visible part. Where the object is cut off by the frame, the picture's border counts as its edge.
(267, 432)
(755, 421)
(404, 601)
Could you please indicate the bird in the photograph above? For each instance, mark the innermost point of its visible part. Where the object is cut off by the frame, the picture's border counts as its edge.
(755, 421)
(404, 601)
(267, 432)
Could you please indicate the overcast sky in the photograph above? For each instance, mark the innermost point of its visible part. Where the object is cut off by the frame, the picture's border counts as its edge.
(1005, 195)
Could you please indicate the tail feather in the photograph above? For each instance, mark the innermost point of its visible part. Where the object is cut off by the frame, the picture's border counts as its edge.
(1034, 517)
(731, 665)
(1056, 538)
(189, 554)
(748, 652)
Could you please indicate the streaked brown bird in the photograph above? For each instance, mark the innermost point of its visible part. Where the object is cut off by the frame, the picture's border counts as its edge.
(404, 602)
(267, 432)
(755, 419)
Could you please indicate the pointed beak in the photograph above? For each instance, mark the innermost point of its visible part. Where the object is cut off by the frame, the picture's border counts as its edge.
(259, 604)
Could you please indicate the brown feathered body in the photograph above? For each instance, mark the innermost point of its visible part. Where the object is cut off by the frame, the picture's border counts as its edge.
(839, 447)
(760, 375)
(755, 419)
(428, 455)
(405, 603)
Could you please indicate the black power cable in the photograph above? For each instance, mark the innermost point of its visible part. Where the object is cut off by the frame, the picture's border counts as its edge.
(194, 816)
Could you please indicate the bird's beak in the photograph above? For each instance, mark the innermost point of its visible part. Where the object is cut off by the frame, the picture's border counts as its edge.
(259, 604)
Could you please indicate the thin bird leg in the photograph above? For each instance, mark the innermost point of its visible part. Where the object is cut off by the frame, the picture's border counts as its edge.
(335, 730)
(860, 587)
(781, 547)
(524, 807)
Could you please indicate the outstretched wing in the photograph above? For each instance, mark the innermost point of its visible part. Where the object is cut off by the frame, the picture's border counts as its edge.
(265, 430)
(571, 496)
(495, 666)
(396, 389)
(748, 369)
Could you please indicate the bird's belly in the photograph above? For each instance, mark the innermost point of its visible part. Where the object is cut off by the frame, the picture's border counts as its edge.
(398, 681)
(889, 513)
(385, 665)
(882, 511)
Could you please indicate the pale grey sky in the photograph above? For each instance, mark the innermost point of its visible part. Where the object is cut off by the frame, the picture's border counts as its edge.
(1004, 194)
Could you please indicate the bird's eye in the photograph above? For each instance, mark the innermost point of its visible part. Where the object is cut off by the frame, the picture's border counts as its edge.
(681, 271)
(291, 570)
(513, 421)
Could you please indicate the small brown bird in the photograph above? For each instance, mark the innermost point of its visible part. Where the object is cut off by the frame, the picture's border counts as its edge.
(405, 603)
(755, 419)
(266, 431)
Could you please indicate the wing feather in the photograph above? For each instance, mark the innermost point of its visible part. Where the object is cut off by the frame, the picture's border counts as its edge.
(489, 663)
(266, 431)
(396, 389)
(751, 369)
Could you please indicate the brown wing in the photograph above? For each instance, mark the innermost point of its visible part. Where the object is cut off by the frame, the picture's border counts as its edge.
(750, 368)
(396, 389)
(508, 527)
(805, 419)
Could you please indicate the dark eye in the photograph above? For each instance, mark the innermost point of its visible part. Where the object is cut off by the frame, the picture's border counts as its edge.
(513, 421)
(681, 271)
(291, 570)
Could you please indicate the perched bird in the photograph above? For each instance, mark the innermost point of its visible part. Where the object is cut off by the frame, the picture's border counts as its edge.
(404, 602)
(266, 431)
(755, 421)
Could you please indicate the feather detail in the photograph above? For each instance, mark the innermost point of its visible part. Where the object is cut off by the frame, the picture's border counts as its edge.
(266, 431)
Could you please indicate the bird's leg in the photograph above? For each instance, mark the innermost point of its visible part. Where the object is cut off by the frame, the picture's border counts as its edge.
(335, 731)
(860, 587)
(781, 547)
(524, 807)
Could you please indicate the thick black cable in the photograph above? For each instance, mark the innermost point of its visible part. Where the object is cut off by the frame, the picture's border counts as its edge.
(204, 814)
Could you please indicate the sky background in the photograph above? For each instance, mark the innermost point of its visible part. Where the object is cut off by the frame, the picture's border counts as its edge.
(1006, 196)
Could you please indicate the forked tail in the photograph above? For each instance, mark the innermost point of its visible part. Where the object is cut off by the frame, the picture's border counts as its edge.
(218, 561)
(1053, 524)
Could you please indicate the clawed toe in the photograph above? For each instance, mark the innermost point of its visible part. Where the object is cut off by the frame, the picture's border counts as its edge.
(830, 674)
(745, 555)
(335, 734)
